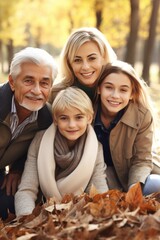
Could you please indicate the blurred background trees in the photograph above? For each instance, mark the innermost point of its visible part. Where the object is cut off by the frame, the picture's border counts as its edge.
(131, 26)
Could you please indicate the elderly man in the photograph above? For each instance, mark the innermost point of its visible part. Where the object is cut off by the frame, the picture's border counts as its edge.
(23, 111)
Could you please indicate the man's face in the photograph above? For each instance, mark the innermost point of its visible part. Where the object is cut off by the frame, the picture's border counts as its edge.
(32, 86)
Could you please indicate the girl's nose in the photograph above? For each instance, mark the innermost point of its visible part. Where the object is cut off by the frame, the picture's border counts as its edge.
(115, 94)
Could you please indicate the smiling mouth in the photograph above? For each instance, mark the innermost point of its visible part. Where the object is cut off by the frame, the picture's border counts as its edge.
(114, 103)
(34, 98)
(87, 74)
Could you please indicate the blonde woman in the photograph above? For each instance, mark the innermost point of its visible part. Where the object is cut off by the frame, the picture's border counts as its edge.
(66, 158)
(124, 124)
(81, 61)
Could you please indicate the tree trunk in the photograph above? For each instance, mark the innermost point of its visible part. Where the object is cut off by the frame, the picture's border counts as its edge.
(134, 26)
(98, 12)
(1, 57)
(149, 45)
(9, 52)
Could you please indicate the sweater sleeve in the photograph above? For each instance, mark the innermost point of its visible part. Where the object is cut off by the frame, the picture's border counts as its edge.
(27, 192)
(98, 178)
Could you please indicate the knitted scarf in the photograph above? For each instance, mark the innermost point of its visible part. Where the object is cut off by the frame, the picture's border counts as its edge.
(67, 160)
(78, 179)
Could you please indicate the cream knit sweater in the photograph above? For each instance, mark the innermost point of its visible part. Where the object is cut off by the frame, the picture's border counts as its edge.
(40, 170)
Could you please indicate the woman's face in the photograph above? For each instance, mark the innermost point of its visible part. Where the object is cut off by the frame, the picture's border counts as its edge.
(87, 63)
(115, 92)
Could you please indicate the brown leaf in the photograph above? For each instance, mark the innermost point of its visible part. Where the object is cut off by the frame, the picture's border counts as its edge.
(134, 196)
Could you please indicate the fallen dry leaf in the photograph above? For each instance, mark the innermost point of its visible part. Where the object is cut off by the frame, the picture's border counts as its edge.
(113, 215)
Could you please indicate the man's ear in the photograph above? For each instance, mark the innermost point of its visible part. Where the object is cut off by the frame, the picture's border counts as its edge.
(11, 82)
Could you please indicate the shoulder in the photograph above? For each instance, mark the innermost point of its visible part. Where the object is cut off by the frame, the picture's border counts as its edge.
(138, 111)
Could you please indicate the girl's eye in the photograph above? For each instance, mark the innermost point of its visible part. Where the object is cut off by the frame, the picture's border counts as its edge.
(123, 90)
(108, 87)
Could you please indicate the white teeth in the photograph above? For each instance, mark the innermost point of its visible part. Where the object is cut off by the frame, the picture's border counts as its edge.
(114, 103)
(87, 74)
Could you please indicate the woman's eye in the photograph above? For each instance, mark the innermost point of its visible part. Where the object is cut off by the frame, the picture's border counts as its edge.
(77, 60)
(92, 58)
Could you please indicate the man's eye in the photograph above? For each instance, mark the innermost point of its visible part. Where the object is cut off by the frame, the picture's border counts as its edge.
(28, 81)
(45, 84)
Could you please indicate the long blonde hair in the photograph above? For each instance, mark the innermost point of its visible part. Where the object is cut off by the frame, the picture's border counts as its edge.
(74, 42)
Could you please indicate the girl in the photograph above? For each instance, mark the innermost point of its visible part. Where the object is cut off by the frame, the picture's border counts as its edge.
(81, 61)
(124, 126)
(66, 158)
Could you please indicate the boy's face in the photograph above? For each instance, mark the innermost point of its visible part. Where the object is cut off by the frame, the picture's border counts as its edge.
(72, 124)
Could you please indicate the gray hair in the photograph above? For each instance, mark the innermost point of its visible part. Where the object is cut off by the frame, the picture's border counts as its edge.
(34, 55)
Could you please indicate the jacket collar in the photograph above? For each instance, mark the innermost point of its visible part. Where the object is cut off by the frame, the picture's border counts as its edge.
(130, 117)
(5, 100)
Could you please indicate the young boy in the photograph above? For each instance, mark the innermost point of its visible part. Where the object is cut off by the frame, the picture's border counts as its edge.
(66, 158)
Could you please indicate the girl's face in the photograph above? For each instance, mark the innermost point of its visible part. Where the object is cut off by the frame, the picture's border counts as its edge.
(72, 124)
(115, 92)
(87, 63)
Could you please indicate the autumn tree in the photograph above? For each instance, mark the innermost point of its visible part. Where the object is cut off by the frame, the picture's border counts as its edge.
(148, 49)
(133, 34)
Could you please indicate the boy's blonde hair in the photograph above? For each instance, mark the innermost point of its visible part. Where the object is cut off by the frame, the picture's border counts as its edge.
(72, 97)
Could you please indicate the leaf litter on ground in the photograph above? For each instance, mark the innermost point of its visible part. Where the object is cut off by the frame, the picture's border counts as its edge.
(94, 216)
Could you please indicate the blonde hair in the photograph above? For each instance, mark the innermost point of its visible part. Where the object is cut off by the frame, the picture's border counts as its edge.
(74, 42)
(72, 97)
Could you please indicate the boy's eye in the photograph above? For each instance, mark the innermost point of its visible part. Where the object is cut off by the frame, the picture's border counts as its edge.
(80, 117)
(63, 118)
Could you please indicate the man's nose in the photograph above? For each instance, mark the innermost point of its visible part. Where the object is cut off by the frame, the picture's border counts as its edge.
(36, 89)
